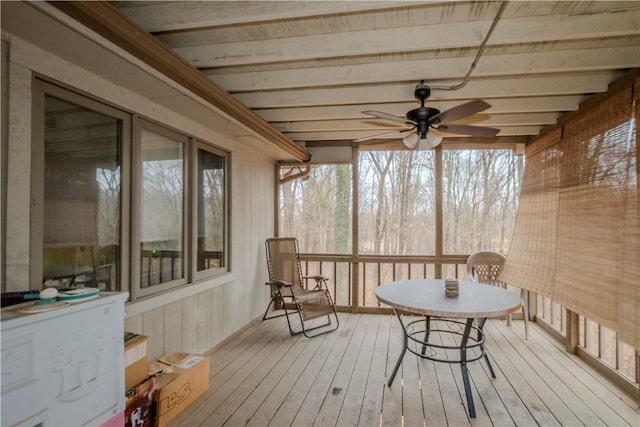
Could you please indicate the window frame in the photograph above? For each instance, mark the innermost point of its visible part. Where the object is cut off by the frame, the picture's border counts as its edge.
(199, 276)
(137, 290)
(130, 192)
(41, 89)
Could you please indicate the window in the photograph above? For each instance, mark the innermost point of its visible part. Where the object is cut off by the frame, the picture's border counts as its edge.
(161, 205)
(78, 171)
(139, 208)
(212, 210)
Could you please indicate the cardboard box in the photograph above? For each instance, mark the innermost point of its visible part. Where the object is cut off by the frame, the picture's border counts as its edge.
(139, 407)
(135, 360)
(184, 379)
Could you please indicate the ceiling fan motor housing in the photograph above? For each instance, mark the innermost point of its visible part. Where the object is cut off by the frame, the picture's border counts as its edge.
(421, 116)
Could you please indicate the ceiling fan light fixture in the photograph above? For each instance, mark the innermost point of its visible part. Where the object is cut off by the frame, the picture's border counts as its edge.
(410, 141)
(433, 139)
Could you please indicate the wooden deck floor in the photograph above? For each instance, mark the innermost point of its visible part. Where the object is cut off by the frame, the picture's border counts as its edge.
(265, 377)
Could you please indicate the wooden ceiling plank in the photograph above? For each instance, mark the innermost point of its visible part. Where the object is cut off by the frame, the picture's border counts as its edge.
(422, 14)
(172, 16)
(420, 55)
(417, 38)
(440, 68)
(529, 85)
(352, 135)
(493, 120)
(498, 106)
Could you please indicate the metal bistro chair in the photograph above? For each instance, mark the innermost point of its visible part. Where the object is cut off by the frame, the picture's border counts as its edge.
(484, 267)
(289, 286)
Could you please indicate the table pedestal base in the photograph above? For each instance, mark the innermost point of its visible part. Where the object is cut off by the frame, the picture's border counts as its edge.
(468, 341)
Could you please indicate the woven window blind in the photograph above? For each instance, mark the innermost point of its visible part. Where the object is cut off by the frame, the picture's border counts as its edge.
(577, 236)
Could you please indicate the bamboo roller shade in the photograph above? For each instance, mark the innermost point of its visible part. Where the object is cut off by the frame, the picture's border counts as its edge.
(577, 235)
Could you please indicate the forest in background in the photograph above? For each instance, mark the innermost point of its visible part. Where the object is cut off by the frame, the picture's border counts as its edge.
(397, 203)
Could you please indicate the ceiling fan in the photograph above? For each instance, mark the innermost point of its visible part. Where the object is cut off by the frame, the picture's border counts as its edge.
(423, 119)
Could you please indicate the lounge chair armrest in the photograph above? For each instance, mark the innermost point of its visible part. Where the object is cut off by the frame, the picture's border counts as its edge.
(317, 278)
(279, 283)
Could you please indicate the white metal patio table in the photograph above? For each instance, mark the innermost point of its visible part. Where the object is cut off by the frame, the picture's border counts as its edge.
(427, 297)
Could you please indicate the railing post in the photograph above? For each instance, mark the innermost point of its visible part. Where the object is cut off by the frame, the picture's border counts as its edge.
(438, 213)
(532, 299)
(355, 286)
(355, 229)
(573, 331)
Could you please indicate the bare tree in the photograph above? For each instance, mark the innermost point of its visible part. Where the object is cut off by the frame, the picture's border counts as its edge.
(397, 203)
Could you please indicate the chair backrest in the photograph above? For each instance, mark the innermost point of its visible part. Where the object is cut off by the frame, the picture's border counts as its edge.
(283, 260)
(485, 266)
(104, 276)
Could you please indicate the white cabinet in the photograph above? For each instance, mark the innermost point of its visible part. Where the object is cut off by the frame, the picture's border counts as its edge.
(64, 367)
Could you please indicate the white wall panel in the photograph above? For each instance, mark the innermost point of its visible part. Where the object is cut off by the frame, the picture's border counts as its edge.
(18, 178)
(153, 326)
(172, 327)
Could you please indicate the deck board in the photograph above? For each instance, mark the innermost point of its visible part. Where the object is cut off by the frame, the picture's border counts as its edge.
(615, 411)
(375, 383)
(338, 378)
(265, 377)
(559, 382)
(552, 405)
(391, 414)
(352, 403)
(268, 375)
(321, 393)
(297, 395)
(270, 405)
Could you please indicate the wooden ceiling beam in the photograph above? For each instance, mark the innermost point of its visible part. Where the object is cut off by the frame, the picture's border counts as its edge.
(493, 120)
(342, 112)
(353, 135)
(452, 35)
(545, 62)
(176, 16)
(477, 88)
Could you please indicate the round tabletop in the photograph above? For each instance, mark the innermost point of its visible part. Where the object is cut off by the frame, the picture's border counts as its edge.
(427, 297)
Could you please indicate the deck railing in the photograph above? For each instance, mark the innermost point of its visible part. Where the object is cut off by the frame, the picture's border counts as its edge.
(591, 340)
(581, 335)
(372, 271)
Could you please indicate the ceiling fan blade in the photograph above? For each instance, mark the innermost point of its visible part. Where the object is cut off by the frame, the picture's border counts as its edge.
(378, 135)
(469, 130)
(387, 116)
(459, 112)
